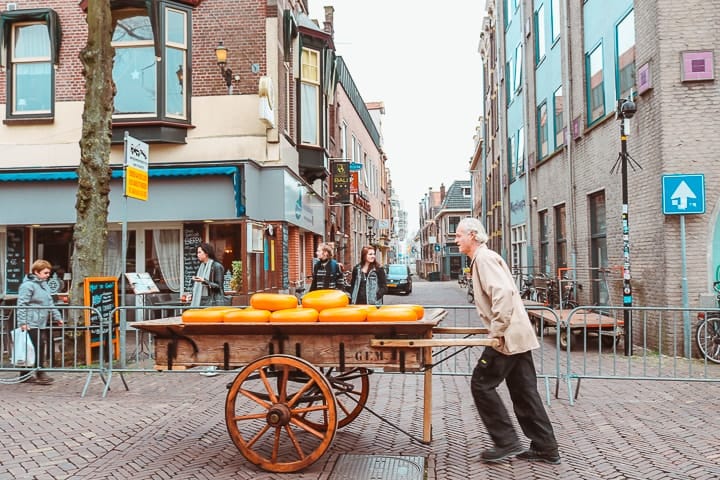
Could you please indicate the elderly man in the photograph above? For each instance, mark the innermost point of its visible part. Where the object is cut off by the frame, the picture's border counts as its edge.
(500, 307)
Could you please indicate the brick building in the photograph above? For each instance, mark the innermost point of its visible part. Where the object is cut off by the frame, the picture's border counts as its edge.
(553, 173)
(238, 151)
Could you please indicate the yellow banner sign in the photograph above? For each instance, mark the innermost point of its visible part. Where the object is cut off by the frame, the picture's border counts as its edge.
(136, 183)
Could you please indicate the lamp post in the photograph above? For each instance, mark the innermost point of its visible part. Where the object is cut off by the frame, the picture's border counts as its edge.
(625, 109)
(370, 233)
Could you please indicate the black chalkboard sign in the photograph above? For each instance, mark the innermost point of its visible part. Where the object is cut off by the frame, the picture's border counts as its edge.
(100, 293)
(192, 237)
(15, 259)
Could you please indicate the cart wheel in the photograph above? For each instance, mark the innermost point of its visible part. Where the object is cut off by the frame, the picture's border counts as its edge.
(352, 388)
(575, 338)
(283, 425)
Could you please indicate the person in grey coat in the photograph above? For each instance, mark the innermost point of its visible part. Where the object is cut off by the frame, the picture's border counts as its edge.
(34, 292)
(502, 311)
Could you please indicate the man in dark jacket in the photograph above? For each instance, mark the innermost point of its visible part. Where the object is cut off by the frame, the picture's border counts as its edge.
(327, 272)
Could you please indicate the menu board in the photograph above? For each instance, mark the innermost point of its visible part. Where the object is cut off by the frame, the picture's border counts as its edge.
(192, 237)
(141, 283)
(15, 259)
(101, 293)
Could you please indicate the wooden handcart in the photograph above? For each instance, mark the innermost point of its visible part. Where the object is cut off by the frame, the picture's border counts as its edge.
(299, 382)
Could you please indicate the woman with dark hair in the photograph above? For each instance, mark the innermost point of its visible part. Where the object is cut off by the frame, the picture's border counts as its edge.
(368, 282)
(208, 282)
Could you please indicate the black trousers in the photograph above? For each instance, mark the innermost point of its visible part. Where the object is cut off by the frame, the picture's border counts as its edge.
(41, 340)
(518, 371)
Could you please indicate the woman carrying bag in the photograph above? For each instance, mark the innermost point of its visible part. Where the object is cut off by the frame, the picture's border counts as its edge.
(369, 282)
(34, 292)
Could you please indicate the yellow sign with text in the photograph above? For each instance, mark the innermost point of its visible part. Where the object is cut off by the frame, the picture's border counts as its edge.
(136, 183)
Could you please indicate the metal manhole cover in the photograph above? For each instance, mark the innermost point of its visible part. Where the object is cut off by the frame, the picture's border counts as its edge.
(378, 467)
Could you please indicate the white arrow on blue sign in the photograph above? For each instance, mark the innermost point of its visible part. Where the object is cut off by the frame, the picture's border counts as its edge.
(683, 194)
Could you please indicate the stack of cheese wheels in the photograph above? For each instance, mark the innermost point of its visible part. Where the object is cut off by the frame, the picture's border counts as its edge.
(206, 315)
(392, 313)
(249, 314)
(325, 298)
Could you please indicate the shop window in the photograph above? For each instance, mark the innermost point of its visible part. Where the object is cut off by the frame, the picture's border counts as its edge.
(29, 48)
(163, 258)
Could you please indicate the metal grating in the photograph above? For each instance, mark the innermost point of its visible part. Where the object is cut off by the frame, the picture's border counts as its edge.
(378, 467)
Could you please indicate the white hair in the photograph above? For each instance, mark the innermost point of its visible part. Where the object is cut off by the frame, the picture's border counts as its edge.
(473, 225)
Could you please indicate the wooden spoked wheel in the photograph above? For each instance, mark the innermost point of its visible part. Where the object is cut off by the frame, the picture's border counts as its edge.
(281, 413)
(351, 388)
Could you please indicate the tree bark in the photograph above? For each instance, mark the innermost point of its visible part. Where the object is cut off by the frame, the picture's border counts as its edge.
(92, 201)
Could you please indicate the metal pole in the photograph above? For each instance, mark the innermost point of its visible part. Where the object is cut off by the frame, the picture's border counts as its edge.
(685, 298)
(627, 289)
(123, 264)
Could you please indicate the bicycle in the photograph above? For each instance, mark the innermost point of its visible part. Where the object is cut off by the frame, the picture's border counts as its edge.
(707, 333)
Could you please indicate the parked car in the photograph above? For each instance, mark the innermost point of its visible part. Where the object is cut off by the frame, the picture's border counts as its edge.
(399, 278)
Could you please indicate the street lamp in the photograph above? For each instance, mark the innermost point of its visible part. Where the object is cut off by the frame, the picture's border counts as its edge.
(370, 233)
(626, 109)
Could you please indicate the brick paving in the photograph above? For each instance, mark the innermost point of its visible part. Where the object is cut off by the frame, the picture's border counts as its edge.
(171, 425)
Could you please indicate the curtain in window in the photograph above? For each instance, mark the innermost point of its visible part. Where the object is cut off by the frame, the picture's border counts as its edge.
(309, 116)
(167, 246)
(113, 255)
(46, 15)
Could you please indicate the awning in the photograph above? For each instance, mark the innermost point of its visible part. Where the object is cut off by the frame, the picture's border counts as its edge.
(116, 173)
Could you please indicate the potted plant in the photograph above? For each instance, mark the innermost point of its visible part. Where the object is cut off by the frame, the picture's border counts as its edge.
(236, 278)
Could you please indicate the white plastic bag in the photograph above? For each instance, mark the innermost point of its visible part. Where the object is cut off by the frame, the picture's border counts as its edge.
(23, 352)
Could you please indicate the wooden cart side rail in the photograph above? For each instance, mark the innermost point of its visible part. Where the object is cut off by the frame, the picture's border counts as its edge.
(460, 331)
(433, 342)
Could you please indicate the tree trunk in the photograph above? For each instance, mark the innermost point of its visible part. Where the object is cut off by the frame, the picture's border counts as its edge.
(90, 235)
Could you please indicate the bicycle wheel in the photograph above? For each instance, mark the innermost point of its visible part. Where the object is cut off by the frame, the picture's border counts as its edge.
(708, 338)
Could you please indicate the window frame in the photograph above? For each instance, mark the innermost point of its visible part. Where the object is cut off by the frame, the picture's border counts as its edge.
(560, 236)
(540, 42)
(595, 113)
(559, 127)
(159, 21)
(310, 84)
(542, 131)
(629, 69)
(518, 247)
(544, 242)
(9, 20)
(555, 24)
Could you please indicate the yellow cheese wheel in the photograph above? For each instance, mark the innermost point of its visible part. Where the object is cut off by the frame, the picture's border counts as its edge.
(362, 306)
(273, 301)
(292, 315)
(203, 315)
(325, 298)
(248, 314)
(398, 314)
(343, 314)
(419, 309)
(218, 307)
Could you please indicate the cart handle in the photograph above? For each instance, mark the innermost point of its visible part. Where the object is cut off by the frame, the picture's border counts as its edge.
(433, 342)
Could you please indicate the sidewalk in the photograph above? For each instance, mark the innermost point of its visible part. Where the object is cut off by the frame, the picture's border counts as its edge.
(171, 425)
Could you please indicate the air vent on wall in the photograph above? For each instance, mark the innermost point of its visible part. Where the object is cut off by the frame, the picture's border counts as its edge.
(11, 6)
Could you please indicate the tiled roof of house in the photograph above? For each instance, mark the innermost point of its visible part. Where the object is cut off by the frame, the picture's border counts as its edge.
(455, 199)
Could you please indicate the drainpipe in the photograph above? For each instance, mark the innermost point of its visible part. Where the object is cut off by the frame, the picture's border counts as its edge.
(567, 113)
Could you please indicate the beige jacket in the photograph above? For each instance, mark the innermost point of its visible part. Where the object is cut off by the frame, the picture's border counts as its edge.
(499, 304)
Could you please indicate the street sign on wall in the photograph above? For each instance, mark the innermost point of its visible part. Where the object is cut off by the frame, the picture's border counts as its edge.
(683, 194)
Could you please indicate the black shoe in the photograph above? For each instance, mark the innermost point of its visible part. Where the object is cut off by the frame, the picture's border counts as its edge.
(532, 455)
(498, 454)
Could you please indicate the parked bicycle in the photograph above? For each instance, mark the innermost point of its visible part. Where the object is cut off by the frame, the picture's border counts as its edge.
(528, 292)
(708, 331)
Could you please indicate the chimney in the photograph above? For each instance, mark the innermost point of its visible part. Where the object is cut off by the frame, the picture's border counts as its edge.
(442, 192)
(328, 26)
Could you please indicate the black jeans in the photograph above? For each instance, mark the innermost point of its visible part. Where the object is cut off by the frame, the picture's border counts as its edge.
(41, 341)
(518, 371)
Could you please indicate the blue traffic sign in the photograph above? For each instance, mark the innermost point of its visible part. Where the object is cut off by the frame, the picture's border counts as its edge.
(683, 194)
(355, 167)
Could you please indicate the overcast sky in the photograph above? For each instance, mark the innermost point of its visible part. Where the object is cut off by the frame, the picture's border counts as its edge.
(423, 63)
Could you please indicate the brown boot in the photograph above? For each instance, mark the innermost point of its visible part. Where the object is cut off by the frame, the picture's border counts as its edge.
(42, 378)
